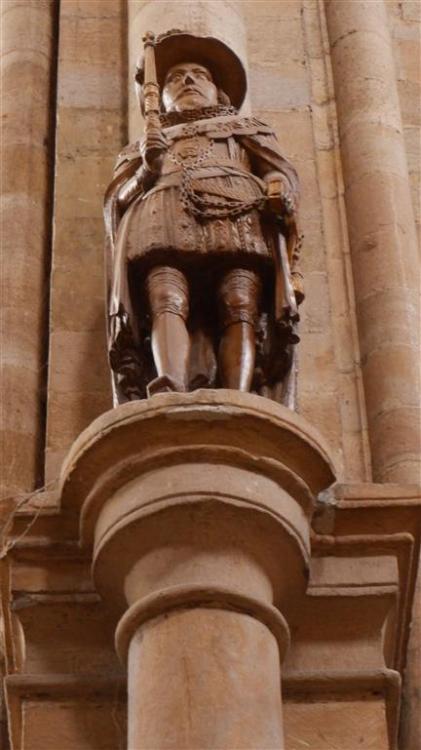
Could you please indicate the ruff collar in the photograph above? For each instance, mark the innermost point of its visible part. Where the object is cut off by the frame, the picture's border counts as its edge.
(191, 115)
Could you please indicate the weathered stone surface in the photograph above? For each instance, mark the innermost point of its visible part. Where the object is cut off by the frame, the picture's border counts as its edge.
(238, 658)
(27, 66)
(67, 724)
(50, 715)
(337, 725)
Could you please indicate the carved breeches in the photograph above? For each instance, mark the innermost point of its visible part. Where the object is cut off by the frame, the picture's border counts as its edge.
(167, 291)
(239, 297)
(238, 294)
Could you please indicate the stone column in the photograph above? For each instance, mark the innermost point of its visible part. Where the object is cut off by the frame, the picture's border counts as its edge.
(27, 69)
(382, 232)
(198, 509)
(223, 19)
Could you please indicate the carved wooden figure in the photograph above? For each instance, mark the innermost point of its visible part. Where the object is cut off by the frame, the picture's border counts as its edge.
(202, 234)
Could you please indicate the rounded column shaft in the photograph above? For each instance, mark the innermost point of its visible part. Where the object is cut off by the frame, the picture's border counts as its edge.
(27, 67)
(204, 678)
(382, 232)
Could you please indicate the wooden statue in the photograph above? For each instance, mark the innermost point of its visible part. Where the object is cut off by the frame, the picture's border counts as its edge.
(202, 238)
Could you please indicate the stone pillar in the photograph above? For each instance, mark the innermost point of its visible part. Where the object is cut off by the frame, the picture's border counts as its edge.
(223, 19)
(382, 232)
(91, 108)
(27, 69)
(198, 509)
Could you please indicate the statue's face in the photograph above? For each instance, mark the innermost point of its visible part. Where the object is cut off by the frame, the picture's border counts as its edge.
(188, 86)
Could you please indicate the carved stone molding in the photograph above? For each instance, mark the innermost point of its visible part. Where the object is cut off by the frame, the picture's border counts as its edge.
(198, 508)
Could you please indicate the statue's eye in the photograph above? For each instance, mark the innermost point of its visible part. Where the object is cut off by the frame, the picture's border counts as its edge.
(174, 77)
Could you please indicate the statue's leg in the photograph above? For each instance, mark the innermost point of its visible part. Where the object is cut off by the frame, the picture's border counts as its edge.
(239, 298)
(168, 296)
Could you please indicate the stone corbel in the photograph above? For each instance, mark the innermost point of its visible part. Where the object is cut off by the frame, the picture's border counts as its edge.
(197, 508)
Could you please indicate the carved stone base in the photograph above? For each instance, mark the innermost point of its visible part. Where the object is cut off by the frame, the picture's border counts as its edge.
(198, 509)
(341, 677)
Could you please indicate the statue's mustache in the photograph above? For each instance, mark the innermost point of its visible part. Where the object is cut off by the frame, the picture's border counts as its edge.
(189, 90)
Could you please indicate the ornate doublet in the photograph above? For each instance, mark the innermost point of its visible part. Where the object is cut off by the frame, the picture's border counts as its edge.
(208, 194)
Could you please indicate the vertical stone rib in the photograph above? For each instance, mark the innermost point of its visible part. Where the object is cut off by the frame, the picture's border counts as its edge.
(382, 232)
(27, 70)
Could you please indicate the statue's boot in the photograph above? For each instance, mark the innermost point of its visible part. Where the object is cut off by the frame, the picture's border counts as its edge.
(171, 352)
(164, 384)
(237, 352)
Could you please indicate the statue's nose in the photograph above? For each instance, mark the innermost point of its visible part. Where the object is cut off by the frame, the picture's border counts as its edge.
(188, 78)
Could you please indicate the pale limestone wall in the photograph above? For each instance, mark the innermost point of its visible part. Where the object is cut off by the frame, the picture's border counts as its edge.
(91, 112)
(311, 726)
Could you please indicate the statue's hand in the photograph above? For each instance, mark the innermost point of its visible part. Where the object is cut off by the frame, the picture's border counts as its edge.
(153, 150)
(280, 199)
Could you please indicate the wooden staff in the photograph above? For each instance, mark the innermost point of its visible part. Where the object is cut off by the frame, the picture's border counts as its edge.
(151, 94)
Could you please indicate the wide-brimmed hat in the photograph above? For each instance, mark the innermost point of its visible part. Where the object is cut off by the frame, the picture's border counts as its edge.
(177, 46)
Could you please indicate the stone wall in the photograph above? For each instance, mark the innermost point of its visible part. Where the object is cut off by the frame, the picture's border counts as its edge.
(91, 129)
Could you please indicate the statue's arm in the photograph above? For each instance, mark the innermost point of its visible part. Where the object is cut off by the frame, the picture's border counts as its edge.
(128, 178)
(283, 194)
(131, 188)
(269, 163)
(136, 173)
(121, 190)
